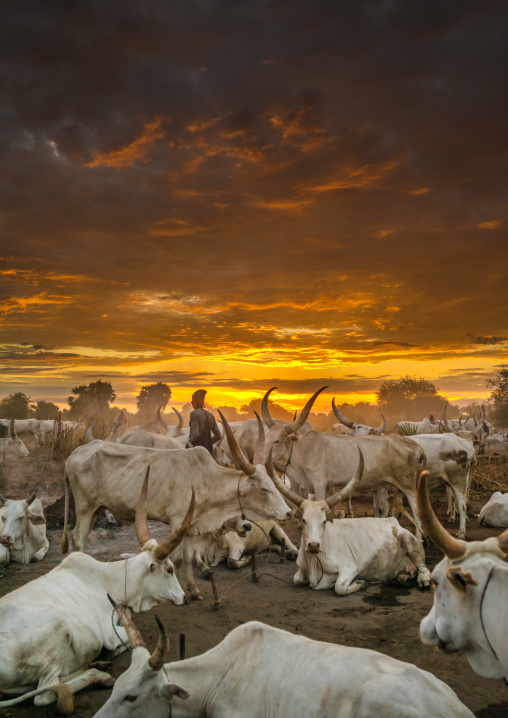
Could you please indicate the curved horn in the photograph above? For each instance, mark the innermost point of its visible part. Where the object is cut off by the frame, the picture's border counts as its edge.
(134, 636)
(304, 414)
(141, 520)
(264, 409)
(31, 499)
(259, 454)
(381, 428)
(341, 417)
(158, 657)
(161, 420)
(288, 494)
(180, 417)
(238, 456)
(449, 545)
(348, 488)
(89, 434)
(162, 551)
(12, 430)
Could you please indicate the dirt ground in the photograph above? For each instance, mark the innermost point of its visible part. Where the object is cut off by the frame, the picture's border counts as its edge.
(384, 618)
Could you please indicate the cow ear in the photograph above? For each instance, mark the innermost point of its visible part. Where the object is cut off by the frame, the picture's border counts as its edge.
(459, 578)
(36, 518)
(170, 690)
(335, 514)
(128, 555)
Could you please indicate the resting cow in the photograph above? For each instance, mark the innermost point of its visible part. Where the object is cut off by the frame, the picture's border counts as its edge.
(22, 531)
(12, 449)
(53, 627)
(471, 593)
(495, 511)
(259, 671)
(349, 554)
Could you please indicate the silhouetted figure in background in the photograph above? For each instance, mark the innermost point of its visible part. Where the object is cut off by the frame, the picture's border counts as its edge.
(203, 427)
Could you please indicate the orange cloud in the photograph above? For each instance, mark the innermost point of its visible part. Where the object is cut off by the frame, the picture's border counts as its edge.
(419, 191)
(362, 177)
(492, 224)
(137, 150)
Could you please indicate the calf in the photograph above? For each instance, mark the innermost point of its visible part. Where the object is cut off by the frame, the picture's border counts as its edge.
(22, 531)
(258, 670)
(351, 553)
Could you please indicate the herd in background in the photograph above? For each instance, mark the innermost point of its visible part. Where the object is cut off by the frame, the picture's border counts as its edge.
(264, 473)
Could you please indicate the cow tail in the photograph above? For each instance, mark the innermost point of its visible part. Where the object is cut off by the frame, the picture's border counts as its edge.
(422, 458)
(65, 535)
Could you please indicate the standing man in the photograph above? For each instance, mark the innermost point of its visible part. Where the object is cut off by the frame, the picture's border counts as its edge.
(202, 424)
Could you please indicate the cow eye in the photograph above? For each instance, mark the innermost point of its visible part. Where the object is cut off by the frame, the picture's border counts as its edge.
(170, 570)
(131, 698)
(303, 521)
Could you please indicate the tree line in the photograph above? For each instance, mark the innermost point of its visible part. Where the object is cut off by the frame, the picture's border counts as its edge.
(409, 398)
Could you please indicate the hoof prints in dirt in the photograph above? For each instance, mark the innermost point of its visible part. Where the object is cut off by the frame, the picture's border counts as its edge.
(388, 596)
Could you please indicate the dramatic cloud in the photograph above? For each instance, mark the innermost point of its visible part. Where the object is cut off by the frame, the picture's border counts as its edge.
(223, 193)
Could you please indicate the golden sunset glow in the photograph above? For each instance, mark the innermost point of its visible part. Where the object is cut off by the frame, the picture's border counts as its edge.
(283, 199)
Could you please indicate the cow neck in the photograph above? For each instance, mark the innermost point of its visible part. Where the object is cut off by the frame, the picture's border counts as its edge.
(491, 647)
(200, 676)
(114, 578)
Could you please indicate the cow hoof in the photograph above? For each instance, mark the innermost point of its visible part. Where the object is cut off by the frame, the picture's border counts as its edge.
(292, 555)
(197, 597)
(101, 665)
(424, 585)
(207, 575)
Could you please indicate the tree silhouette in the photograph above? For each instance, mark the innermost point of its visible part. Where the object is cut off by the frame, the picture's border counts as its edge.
(16, 406)
(499, 397)
(410, 398)
(151, 397)
(91, 400)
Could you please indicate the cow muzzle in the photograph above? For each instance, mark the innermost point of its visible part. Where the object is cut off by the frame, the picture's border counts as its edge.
(6, 541)
(314, 547)
(282, 522)
(445, 647)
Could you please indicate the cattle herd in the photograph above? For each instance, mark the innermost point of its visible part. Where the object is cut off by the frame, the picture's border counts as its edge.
(227, 507)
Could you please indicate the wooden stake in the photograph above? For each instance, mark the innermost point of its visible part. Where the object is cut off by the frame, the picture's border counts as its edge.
(282, 550)
(182, 646)
(215, 592)
(254, 577)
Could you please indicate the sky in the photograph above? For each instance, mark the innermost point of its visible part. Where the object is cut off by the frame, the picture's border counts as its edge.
(239, 195)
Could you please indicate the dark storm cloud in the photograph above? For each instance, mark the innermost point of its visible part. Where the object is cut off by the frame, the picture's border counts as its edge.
(325, 179)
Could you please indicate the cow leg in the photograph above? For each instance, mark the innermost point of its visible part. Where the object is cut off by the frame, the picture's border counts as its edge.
(350, 513)
(278, 534)
(411, 499)
(461, 502)
(90, 677)
(85, 519)
(451, 504)
(416, 555)
(187, 570)
(204, 568)
(300, 578)
(5, 556)
(39, 555)
(346, 583)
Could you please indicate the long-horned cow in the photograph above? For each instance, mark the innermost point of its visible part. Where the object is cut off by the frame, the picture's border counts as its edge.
(358, 429)
(54, 626)
(296, 678)
(110, 475)
(12, 449)
(22, 531)
(471, 591)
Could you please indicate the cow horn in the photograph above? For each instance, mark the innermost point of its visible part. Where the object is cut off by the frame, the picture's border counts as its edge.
(238, 456)
(180, 417)
(288, 494)
(349, 487)
(3, 499)
(264, 409)
(162, 551)
(158, 657)
(304, 414)
(259, 454)
(134, 636)
(341, 417)
(12, 430)
(89, 434)
(161, 420)
(31, 499)
(380, 429)
(449, 545)
(141, 520)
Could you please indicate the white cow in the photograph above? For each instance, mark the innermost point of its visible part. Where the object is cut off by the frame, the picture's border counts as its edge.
(54, 626)
(471, 592)
(174, 431)
(451, 459)
(12, 449)
(349, 554)
(495, 511)
(148, 440)
(22, 531)
(357, 429)
(425, 426)
(23, 426)
(105, 474)
(288, 676)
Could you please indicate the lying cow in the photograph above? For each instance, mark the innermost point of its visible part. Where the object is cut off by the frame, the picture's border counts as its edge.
(12, 449)
(233, 545)
(351, 553)
(495, 511)
(22, 531)
(296, 678)
(53, 627)
(471, 591)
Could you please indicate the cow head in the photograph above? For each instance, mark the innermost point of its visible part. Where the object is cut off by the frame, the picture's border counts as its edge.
(467, 584)
(281, 437)
(156, 580)
(144, 689)
(16, 518)
(256, 491)
(316, 514)
(358, 429)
